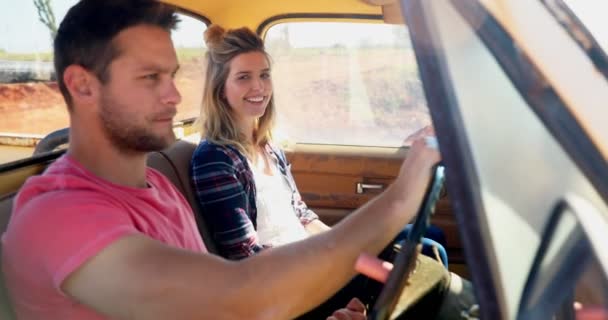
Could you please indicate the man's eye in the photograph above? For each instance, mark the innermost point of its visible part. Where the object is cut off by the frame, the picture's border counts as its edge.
(152, 76)
(265, 76)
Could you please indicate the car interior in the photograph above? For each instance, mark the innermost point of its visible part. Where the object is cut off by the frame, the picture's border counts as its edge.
(523, 141)
(333, 179)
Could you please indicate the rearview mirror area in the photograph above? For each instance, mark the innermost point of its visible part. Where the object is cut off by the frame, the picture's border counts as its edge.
(568, 278)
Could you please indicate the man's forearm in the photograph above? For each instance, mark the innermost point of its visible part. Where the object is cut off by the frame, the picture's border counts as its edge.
(150, 280)
(320, 265)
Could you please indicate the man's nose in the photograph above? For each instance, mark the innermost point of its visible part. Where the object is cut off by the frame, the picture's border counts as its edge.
(172, 95)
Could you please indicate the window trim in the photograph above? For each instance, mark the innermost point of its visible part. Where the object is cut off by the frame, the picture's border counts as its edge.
(265, 25)
(539, 94)
(33, 160)
(577, 30)
(193, 15)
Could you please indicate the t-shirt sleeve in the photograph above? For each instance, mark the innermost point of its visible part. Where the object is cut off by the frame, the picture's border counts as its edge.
(61, 232)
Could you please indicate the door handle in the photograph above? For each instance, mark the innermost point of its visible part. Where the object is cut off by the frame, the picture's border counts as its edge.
(365, 187)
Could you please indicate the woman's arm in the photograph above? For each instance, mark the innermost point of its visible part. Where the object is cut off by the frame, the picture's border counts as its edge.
(224, 200)
(306, 216)
(316, 226)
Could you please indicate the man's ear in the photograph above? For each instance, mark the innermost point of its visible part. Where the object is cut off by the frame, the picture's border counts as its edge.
(81, 83)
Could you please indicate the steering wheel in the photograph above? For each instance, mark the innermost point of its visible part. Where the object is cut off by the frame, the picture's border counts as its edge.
(405, 261)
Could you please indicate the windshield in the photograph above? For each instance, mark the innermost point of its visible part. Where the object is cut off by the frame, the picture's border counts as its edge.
(510, 161)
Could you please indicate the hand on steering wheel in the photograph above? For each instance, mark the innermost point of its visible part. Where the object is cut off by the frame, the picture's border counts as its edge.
(405, 260)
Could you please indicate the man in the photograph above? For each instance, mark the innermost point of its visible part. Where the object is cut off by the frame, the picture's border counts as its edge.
(101, 236)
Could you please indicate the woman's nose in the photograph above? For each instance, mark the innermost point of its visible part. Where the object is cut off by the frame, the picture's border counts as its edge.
(258, 84)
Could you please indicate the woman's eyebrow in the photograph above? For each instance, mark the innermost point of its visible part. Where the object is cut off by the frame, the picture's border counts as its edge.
(248, 71)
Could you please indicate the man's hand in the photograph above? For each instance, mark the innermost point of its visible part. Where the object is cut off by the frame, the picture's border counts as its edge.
(355, 310)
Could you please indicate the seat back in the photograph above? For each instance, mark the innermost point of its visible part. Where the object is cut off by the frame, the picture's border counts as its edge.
(6, 205)
(174, 163)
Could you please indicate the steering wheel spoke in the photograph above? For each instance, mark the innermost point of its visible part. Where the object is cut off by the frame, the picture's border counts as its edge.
(406, 260)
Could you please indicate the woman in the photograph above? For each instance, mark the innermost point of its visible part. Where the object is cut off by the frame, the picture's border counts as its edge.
(238, 114)
(238, 162)
(242, 181)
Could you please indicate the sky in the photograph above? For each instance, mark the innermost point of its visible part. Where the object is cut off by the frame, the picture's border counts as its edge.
(21, 32)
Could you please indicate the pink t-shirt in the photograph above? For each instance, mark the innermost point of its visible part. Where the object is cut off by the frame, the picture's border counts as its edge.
(66, 216)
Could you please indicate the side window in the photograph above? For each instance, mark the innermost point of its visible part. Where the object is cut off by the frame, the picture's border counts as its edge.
(190, 48)
(346, 83)
(31, 105)
(30, 102)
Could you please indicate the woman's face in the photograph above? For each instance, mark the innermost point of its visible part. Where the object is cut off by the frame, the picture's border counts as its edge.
(248, 87)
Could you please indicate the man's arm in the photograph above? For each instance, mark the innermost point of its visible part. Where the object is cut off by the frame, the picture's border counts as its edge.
(139, 278)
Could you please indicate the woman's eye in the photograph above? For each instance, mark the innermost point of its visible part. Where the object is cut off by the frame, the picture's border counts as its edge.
(265, 75)
(243, 77)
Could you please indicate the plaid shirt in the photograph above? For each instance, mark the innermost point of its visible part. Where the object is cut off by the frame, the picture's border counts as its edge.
(225, 189)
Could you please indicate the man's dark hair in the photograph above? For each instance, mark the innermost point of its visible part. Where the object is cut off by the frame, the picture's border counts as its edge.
(85, 35)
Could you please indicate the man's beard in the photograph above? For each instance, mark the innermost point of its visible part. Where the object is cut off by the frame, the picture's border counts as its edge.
(125, 135)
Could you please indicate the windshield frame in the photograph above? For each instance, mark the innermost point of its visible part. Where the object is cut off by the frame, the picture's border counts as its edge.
(577, 30)
(540, 96)
(538, 93)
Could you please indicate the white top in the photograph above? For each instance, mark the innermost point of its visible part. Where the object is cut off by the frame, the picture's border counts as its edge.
(277, 223)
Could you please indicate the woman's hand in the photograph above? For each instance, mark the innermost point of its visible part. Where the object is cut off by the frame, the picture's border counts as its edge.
(424, 131)
(355, 310)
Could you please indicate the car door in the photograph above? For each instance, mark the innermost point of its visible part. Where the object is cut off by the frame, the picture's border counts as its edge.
(525, 150)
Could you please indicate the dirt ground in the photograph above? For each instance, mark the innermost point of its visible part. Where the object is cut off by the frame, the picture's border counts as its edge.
(36, 108)
(314, 99)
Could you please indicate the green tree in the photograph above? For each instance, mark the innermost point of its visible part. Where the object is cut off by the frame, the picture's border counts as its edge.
(46, 15)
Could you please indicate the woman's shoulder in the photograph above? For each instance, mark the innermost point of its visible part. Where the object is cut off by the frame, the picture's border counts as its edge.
(208, 151)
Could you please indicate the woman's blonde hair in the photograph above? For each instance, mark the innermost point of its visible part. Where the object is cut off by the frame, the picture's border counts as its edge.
(217, 117)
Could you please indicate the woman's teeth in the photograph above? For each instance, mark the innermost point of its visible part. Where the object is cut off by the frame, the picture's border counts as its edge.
(255, 99)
